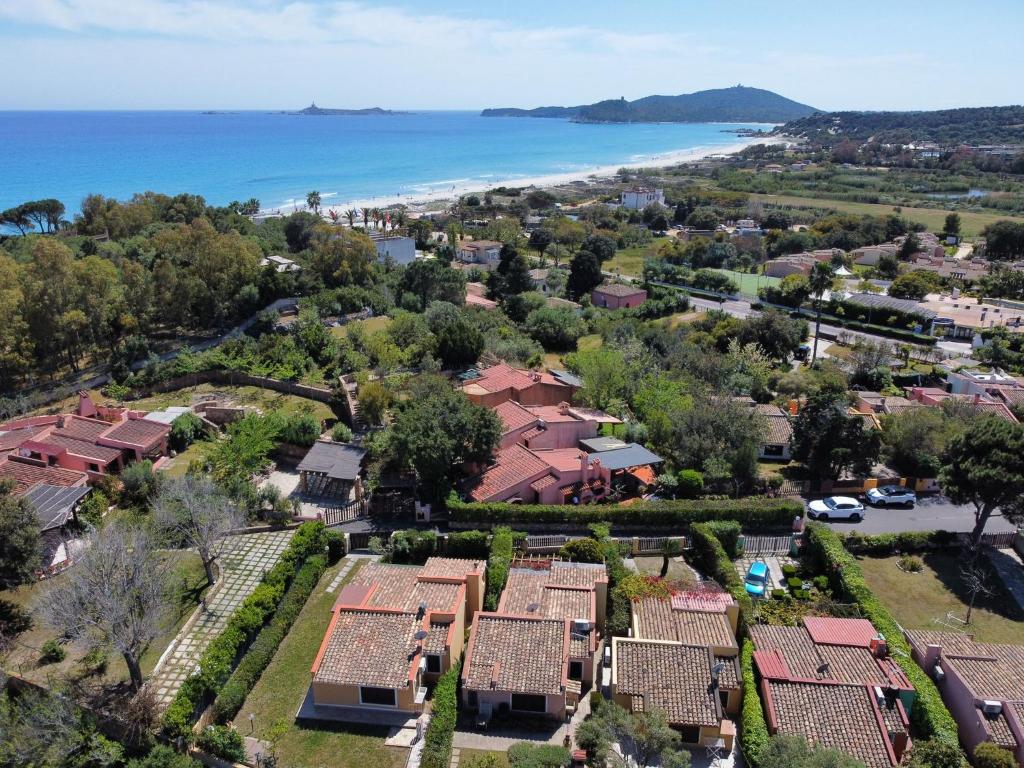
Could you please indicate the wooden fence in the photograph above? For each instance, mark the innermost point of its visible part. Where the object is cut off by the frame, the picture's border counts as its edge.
(345, 513)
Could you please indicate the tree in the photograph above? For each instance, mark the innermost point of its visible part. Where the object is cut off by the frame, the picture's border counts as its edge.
(820, 281)
(313, 201)
(115, 596)
(556, 328)
(459, 342)
(584, 275)
(914, 440)
(914, 285)
(1004, 240)
(605, 378)
(775, 332)
(643, 737)
(602, 246)
(19, 539)
(790, 751)
(342, 256)
(888, 266)
(196, 513)
(185, 430)
(138, 482)
(433, 280)
(952, 226)
(990, 755)
(511, 277)
(540, 240)
(829, 441)
(703, 218)
(582, 551)
(933, 753)
(984, 466)
(374, 401)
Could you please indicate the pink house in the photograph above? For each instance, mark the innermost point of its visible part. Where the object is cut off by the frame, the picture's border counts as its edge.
(499, 383)
(934, 397)
(549, 426)
(981, 683)
(618, 296)
(556, 476)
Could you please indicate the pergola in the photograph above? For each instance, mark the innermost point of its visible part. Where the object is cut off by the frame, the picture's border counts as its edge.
(330, 469)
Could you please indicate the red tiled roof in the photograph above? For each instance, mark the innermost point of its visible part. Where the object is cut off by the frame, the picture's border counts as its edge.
(511, 467)
(139, 432)
(12, 438)
(825, 630)
(656, 619)
(672, 677)
(503, 376)
(517, 655)
(513, 416)
(545, 482)
(81, 447)
(367, 648)
(618, 289)
(27, 475)
(83, 428)
(771, 665)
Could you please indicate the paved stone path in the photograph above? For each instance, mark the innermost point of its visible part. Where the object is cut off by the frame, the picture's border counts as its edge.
(1008, 565)
(240, 571)
(774, 563)
(455, 757)
(351, 559)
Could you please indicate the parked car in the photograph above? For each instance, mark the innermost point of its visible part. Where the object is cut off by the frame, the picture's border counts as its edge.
(757, 579)
(836, 508)
(890, 495)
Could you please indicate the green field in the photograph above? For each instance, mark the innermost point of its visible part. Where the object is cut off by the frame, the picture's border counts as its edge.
(630, 261)
(932, 218)
(749, 283)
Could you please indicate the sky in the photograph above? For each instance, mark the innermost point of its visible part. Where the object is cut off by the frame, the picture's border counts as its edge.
(458, 54)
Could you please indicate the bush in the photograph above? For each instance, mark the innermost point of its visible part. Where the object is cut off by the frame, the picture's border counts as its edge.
(728, 533)
(497, 567)
(752, 513)
(138, 482)
(13, 621)
(412, 546)
(825, 550)
(300, 429)
(911, 563)
(163, 757)
(222, 741)
(754, 733)
(794, 583)
(936, 754)
(582, 551)
(437, 742)
(989, 755)
(620, 606)
(468, 544)
(689, 484)
(234, 692)
(95, 661)
(52, 652)
(527, 755)
(340, 433)
(778, 594)
(335, 547)
(789, 570)
(185, 430)
(884, 544)
(820, 582)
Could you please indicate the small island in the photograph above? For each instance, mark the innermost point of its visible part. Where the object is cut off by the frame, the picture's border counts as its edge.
(313, 109)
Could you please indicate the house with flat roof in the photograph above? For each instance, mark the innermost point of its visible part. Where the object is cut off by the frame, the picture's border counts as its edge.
(539, 652)
(395, 628)
(499, 383)
(548, 426)
(963, 317)
(833, 682)
(280, 264)
(484, 254)
(982, 684)
(682, 658)
(618, 296)
(638, 198)
(401, 250)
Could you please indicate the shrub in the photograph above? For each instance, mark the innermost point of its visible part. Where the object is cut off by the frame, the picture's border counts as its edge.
(989, 755)
(712, 558)
(138, 482)
(412, 546)
(468, 544)
(794, 583)
(911, 563)
(222, 741)
(95, 661)
(801, 594)
(884, 544)
(234, 692)
(340, 433)
(13, 621)
(936, 754)
(754, 734)
(728, 533)
(825, 549)
(789, 570)
(300, 429)
(619, 604)
(185, 430)
(582, 551)
(526, 755)
(689, 484)
(162, 756)
(335, 547)
(820, 582)
(52, 652)
(778, 594)
(437, 742)
(497, 567)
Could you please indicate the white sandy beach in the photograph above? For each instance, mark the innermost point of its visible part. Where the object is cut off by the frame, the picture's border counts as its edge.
(421, 200)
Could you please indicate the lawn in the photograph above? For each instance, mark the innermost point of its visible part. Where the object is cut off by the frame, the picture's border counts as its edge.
(749, 283)
(918, 599)
(630, 261)
(583, 344)
(933, 218)
(678, 570)
(468, 756)
(188, 583)
(179, 465)
(370, 325)
(282, 687)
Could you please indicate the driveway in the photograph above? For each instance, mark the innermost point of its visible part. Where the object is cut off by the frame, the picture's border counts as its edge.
(932, 513)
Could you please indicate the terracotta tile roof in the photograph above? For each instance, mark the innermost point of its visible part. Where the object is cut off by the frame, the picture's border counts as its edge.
(950, 642)
(372, 649)
(140, 432)
(793, 645)
(671, 677)
(841, 717)
(656, 620)
(545, 482)
(532, 433)
(480, 301)
(450, 568)
(1000, 676)
(577, 574)
(516, 655)
(437, 639)
(399, 587)
(713, 599)
(778, 430)
(730, 675)
(511, 467)
(27, 475)
(618, 289)
(12, 438)
(86, 429)
(513, 416)
(825, 630)
(999, 728)
(81, 447)
(502, 376)
(561, 459)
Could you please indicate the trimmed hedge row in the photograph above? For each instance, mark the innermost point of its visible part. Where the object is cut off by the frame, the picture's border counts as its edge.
(620, 607)
(713, 560)
(232, 696)
(752, 512)
(437, 742)
(217, 660)
(468, 544)
(882, 544)
(754, 734)
(497, 567)
(930, 715)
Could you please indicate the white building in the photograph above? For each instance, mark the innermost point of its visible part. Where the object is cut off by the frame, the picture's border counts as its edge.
(402, 250)
(638, 198)
(280, 264)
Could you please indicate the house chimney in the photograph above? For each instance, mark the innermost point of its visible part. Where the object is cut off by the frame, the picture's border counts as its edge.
(563, 407)
(584, 466)
(977, 398)
(900, 741)
(85, 405)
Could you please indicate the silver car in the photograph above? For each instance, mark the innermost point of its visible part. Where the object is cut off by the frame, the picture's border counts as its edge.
(836, 508)
(891, 495)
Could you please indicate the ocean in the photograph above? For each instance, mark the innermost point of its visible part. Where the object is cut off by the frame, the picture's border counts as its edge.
(278, 158)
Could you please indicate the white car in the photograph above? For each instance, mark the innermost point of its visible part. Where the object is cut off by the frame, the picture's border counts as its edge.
(836, 508)
(889, 495)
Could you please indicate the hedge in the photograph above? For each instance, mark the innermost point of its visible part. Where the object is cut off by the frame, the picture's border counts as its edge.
(754, 734)
(620, 608)
(929, 714)
(753, 512)
(883, 544)
(232, 696)
(713, 560)
(411, 546)
(437, 742)
(468, 544)
(216, 661)
(497, 567)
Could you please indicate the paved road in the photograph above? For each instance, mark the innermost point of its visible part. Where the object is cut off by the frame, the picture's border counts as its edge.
(931, 513)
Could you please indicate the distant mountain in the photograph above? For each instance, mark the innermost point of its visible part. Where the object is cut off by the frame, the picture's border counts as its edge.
(976, 125)
(720, 105)
(313, 109)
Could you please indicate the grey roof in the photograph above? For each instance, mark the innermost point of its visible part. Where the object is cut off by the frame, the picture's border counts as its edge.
(567, 378)
(598, 444)
(338, 461)
(54, 504)
(629, 455)
(877, 301)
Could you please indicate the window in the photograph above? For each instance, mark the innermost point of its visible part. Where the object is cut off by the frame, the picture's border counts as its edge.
(473, 702)
(94, 467)
(690, 734)
(525, 702)
(433, 663)
(773, 450)
(379, 697)
(575, 670)
(723, 696)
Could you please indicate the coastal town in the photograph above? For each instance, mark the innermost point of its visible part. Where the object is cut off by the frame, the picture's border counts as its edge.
(715, 459)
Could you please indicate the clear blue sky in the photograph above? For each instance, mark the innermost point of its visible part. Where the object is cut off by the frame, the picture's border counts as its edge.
(458, 54)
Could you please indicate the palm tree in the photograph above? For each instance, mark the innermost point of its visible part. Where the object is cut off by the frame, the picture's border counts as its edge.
(313, 201)
(821, 279)
(366, 219)
(351, 214)
(375, 214)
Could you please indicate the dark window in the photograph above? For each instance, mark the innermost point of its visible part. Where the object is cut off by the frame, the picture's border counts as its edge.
(433, 663)
(723, 696)
(473, 699)
(384, 697)
(524, 702)
(690, 734)
(773, 450)
(575, 670)
(94, 467)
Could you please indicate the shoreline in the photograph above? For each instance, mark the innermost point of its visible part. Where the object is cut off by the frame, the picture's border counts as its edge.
(417, 201)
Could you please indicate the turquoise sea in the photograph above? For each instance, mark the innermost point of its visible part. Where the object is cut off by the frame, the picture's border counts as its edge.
(277, 158)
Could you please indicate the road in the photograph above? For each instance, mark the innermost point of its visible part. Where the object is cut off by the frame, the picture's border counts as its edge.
(932, 513)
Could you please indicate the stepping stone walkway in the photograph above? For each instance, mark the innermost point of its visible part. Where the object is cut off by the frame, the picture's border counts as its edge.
(241, 570)
(455, 758)
(350, 561)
